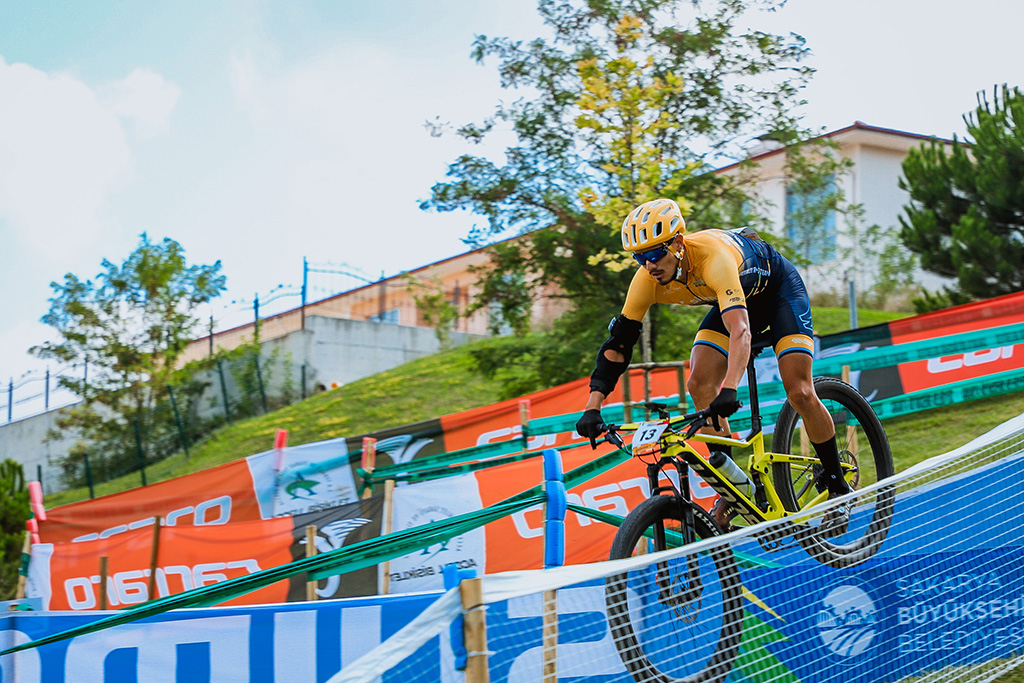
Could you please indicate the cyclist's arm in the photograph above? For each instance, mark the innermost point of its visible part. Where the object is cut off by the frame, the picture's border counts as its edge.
(614, 355)
(738, 323)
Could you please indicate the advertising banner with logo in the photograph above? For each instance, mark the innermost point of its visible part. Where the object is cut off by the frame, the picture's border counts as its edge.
(215, 496)
(432, 501)
(66, 576)
(880, 383)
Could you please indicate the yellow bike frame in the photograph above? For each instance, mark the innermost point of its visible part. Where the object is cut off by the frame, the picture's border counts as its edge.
(675, 445)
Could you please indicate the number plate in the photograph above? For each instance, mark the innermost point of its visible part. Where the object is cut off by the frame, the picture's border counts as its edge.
(648, 434)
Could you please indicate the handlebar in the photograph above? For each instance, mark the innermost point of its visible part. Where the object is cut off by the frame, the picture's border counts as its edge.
(696, 421)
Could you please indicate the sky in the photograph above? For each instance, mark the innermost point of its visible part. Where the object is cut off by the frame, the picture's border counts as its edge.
(261, 133)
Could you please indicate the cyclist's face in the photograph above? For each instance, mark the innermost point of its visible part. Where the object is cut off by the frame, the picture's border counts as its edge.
(664, 269)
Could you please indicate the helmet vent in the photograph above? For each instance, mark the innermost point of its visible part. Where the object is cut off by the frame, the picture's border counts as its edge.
(658, 229)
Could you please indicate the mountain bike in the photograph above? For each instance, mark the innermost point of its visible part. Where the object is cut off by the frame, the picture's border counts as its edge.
(681, 620)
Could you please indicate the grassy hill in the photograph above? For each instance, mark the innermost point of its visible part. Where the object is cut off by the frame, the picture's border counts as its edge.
(446, 383)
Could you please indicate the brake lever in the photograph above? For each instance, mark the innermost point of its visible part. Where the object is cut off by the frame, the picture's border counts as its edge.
(611, 436)
(696, 427)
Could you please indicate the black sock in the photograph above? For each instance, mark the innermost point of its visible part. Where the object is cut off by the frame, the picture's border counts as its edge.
(828, 454)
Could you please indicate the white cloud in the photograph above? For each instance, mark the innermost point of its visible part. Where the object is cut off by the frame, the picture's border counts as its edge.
(62, 154)
(143, 99)
(342, 153)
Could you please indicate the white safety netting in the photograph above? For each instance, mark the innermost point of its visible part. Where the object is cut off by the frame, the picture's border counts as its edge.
(927, 585)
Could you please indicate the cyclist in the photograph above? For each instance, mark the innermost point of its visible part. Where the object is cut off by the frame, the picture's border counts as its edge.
(754, 293)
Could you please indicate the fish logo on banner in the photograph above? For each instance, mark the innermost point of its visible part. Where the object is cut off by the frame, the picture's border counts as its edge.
(418, 506)
(402, 449)
(848, 621)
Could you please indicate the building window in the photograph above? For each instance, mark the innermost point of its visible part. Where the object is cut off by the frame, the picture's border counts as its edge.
(390, 317)
(811, 221)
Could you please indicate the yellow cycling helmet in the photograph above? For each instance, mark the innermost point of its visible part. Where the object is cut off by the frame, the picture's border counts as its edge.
(652, 223)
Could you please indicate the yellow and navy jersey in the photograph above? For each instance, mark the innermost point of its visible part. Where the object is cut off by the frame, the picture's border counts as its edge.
(723, 268)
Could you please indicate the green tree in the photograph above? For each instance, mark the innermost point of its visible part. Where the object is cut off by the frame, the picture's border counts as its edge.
(965, 218)
(435, 306)
(628, 100)
(14, 511)
(130, 326)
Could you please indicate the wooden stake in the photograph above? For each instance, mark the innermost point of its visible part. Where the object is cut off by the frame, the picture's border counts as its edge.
(684, 404)
(103, 581)
(154, 557)
(369, 461)
(310, 552)
(524, 420)
(389, 523)
(475, 630)
(550, 637)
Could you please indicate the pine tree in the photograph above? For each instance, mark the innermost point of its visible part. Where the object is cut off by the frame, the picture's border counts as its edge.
(966, 214)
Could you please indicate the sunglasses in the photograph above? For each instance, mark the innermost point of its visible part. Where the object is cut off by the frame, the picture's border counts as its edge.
(651, 255)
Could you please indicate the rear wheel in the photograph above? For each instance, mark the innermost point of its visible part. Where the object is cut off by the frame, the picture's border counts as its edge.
(677, 620)
(864, 447)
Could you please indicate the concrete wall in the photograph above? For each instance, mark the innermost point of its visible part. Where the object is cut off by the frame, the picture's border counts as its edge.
(24, 441)
(334, 351)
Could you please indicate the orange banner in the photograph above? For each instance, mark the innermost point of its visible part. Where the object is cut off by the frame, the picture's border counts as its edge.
(211, 497)
(190, 557)
(925, 374)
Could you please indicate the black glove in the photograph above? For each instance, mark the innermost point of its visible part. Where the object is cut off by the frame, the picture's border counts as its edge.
(590, 425)
(724, 405)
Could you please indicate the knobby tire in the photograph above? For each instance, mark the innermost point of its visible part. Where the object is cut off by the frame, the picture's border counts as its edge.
(680, 602)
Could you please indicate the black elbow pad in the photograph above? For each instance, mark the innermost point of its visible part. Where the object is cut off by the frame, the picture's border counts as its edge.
(624, 335)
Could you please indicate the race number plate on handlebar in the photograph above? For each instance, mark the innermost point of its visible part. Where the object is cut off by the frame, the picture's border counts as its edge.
(645, 439)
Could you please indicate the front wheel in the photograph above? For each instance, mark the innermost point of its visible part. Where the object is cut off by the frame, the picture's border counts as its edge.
(677, 620)
(864, 452)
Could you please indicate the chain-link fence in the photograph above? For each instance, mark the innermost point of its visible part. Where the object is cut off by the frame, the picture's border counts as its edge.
(232, 386)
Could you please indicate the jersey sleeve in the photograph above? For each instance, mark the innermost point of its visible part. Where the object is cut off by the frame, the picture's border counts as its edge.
(641, 294)
(722, 276)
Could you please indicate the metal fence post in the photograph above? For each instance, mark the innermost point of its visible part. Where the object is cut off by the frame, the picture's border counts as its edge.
(138, 445)
(224, 390)
(177, 419)
(259, 381)
(88, 476)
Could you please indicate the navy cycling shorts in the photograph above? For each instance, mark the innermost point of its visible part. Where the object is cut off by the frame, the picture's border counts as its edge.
(781, 313)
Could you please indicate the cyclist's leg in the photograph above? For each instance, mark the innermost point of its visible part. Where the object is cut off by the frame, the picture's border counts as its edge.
(709, 359)
(792, 333)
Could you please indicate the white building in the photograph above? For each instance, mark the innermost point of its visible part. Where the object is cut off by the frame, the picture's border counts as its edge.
(872, 182)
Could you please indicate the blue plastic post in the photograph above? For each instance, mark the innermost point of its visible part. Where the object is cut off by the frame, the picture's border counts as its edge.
(453, 576)
(556, 505)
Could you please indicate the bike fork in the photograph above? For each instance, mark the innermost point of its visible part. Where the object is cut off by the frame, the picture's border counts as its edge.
(688, 527)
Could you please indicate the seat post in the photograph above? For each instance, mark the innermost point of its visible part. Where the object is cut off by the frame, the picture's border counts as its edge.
(755, 410)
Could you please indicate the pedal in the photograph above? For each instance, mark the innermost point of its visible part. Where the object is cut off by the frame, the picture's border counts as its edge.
(819, 478)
